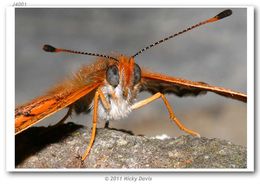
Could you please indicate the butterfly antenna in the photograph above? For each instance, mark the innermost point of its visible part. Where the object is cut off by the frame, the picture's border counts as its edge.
(221, 15)
(49, 48)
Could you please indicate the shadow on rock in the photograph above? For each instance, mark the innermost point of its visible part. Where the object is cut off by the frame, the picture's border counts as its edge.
(34, 139)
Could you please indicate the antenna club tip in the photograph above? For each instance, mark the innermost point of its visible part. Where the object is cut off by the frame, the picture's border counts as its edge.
(223, 14)
(49, 48)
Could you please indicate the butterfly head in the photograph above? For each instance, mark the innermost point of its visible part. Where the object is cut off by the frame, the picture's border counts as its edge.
(124, 77)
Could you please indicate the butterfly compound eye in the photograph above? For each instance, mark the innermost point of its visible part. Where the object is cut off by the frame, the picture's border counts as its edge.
(137, 74)
(112, 75)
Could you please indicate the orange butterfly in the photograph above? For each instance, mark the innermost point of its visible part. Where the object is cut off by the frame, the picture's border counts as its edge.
(110, 86)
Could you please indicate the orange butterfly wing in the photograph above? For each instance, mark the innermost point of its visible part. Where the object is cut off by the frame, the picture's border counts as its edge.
(84, 82)
(40, 108)
(154, 82)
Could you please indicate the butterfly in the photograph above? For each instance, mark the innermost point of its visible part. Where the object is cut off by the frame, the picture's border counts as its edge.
(110, 87)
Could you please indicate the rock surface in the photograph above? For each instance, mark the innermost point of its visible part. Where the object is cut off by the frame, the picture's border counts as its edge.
(62, 146)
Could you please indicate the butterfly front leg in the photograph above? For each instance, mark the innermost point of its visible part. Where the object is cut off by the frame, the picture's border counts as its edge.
(105, 104)
(169, 108)
(98, 96)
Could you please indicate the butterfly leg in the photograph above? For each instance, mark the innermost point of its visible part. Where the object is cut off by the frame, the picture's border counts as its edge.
(65, 117)
(94, 126)
(98, 95)
(107, 124)
(105, 104)
(60, 122)
(169, 108)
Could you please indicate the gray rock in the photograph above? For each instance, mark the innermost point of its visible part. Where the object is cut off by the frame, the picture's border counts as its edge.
(62, 147)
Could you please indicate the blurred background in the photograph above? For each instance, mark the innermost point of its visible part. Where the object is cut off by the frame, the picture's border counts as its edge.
(214, 53)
